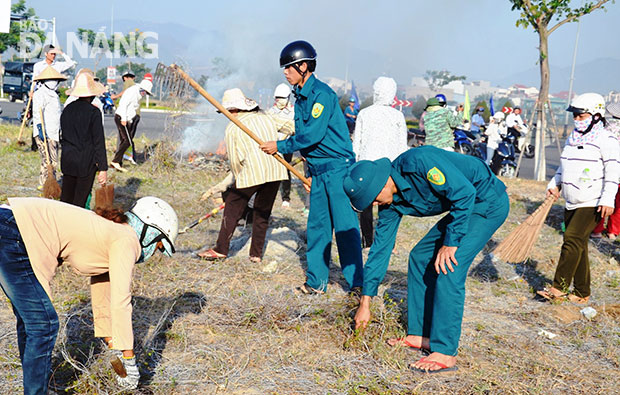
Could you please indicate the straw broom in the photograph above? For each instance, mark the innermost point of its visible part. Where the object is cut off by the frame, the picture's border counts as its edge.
(518, 245)
(51, 189)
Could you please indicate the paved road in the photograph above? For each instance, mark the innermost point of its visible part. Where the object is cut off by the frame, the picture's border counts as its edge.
(153, 125)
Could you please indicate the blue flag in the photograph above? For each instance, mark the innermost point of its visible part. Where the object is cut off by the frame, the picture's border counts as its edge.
(491, 108)
(354, 97)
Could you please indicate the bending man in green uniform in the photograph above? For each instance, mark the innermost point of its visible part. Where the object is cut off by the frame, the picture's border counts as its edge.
(322, 137)
(423, 182)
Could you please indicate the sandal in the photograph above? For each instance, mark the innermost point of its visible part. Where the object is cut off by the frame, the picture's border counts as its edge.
(402, 341)
(548, 295)
(211, 255)
(577, 299)
(442, 368)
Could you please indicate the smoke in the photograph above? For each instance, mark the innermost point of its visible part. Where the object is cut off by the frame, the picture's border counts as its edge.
(240, 59)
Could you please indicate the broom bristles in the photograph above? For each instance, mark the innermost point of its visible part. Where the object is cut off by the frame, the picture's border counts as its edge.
(518, 245)
(51, 189)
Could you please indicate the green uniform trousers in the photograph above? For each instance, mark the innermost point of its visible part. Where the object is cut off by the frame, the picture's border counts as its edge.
(574, 265)
(435, 302)
(331, 211)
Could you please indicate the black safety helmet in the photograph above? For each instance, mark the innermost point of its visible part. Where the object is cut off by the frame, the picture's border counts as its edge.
(296, 52)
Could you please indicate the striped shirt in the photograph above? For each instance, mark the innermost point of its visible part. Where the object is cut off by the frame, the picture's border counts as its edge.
(249, 164)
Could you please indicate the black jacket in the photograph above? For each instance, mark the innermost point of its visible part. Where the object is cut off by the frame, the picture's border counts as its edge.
(82, 140)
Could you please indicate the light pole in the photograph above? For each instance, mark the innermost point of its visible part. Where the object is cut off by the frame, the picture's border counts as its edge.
(572, 76)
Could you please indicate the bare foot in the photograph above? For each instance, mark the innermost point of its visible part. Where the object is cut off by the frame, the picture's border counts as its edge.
(410, 341)
(435, 361)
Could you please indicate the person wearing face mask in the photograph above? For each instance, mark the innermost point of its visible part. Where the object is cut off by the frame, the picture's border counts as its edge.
(588, 180)
(283, 113)
(46, 120)
(38, 235)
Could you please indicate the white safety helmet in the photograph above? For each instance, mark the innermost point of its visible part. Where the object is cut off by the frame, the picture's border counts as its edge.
(591, 103)
(157, 213)
(282, 90)
(499, 116)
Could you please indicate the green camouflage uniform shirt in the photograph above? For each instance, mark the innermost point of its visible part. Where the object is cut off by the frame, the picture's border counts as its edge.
(438, 124)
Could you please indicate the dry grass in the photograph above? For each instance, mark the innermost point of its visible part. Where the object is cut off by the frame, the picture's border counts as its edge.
(235, 328)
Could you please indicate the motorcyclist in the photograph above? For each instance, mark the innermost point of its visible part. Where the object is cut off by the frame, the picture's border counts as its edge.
(496, 130)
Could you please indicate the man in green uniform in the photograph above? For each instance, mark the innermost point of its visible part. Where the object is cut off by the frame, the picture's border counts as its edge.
(322, 137)
(421, 182)
(439, 123)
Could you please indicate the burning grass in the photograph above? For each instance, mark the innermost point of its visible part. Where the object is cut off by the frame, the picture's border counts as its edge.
(237, 327)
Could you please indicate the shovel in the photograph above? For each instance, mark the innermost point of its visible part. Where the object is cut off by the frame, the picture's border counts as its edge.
(174, 78)
(51, 189)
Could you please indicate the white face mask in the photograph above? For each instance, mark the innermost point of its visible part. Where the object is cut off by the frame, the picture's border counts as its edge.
(281, 103)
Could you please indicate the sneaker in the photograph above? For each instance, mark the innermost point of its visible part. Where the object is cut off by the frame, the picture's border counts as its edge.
(596, 235)
(286, 204)
(118, 167)
(133, 162)
(612, 236)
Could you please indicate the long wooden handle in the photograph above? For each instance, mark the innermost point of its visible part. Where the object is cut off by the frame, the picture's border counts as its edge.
(47, 153)
(25, 116)
(234, 120)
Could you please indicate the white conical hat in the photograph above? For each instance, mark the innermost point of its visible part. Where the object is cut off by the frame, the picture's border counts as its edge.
(86, 86)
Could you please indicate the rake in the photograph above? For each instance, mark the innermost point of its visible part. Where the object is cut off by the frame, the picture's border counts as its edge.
(175, 82)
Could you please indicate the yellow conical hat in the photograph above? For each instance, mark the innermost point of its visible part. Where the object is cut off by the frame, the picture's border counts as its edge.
(49, 73)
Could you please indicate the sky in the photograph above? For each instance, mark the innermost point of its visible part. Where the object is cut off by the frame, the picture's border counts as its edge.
(362, 39)
(355, 40)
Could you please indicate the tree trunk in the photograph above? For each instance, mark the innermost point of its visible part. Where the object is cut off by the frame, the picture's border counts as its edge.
(540, 165)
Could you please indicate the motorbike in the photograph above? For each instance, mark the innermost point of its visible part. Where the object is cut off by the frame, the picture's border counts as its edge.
(465, 142)
(415, 137)
(108, 103)
(503, 162)
(522, 146)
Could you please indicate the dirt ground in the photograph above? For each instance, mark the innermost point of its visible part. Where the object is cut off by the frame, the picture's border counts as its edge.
(236, 327)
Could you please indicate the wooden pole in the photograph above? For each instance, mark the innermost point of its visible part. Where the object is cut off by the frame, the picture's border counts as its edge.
(555, 126)
(25, 115)
(234, 120)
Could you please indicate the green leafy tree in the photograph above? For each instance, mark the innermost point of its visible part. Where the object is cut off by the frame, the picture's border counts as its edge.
(439, 78)
(545, 17)
(26, 25)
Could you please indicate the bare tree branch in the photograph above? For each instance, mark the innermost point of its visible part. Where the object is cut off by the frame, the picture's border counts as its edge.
(573, 17)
